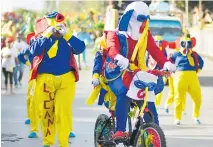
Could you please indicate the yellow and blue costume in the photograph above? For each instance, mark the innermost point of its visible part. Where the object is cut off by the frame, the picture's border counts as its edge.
(106, 96)
(162, 44)
(170, 98)
(32, 111)
(188, 63)
(55, 80)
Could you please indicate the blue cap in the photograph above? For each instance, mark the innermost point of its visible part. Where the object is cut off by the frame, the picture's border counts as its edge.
(52, 14)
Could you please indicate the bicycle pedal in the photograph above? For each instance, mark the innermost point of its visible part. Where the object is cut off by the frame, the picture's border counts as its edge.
(121, 140)
(109, 143)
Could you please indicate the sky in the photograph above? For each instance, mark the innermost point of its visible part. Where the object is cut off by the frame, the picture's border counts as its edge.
(9, 5)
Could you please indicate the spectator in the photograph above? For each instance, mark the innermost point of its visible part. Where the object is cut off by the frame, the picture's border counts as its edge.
(207, 17)
(3, 42)
(8, 63)
(196, 16)
(19, 67)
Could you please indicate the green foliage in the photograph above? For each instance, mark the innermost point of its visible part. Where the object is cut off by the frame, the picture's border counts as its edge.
(180, 4)
(99, 26)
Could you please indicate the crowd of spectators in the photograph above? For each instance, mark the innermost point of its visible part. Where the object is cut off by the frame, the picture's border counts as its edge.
(14, 27)
(17, 24)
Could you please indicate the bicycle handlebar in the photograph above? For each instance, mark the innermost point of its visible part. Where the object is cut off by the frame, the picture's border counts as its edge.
(162, 72)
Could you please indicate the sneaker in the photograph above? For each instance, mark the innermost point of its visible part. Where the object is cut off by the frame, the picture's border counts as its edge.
(197, 121)
(119, 135)
(32, 135)
(72, 135)
(16, 86)
(177, 122)
(5, 93)
(27, 122)
(85, 67)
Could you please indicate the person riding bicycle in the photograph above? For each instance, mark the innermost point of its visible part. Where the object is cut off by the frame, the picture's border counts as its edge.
(105, 94)
(188, 64)
(130, 40)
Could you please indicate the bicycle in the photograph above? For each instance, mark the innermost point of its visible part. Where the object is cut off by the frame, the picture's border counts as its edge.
(143, 135)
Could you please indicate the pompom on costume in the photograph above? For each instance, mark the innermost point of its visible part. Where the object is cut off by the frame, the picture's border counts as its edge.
(55, 73)
(188, 63)
(129, 44)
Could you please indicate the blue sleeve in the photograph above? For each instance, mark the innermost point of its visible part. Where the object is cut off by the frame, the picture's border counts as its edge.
(37, 47)
(77, 45)
(97, 63)
(174, 56)
(22, 53)
(30, 58)
(201, 62)
(160, 85)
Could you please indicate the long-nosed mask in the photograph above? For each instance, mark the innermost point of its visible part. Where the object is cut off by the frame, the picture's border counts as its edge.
(134, 19)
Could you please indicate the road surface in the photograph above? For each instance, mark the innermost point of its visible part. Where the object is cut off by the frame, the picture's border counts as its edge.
(13, 113)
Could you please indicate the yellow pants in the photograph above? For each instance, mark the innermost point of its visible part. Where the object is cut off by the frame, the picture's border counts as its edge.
(187, 81)
(158, 99)
(55, 95)
(159, 96)
(170, 98)
(32, 109)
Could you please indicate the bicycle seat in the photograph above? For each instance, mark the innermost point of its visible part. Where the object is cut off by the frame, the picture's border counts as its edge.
(142, 85)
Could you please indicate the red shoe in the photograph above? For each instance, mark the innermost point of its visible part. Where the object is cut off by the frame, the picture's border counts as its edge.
(119, 135)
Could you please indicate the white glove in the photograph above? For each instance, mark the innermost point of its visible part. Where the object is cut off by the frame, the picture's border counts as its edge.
(26, 57)
(50, 30)
(61, 29)
(123, 62)
(95, 82)
(169, 66)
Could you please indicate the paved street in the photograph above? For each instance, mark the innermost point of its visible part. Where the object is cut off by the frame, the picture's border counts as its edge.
(15, 132)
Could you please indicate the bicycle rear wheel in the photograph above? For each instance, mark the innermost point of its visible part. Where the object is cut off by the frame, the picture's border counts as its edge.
(150, 136)
(103, 132)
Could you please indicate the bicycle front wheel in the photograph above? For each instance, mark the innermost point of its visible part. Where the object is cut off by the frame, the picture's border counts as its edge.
(103, 131)
(151, 135)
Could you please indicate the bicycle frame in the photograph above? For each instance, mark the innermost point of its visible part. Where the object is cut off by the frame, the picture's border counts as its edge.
(139, 122)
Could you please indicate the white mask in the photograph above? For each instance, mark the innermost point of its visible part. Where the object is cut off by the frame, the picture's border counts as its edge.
(140, 8)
